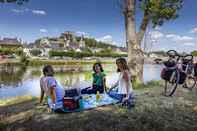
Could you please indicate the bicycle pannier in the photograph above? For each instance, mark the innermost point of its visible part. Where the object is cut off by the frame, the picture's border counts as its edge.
(182, 77)
(195, 70)
(166, 74)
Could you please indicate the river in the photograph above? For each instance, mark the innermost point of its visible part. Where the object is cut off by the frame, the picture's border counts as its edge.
(20, 81)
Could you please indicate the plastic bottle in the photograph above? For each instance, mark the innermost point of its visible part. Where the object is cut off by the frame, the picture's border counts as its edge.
(97, 96)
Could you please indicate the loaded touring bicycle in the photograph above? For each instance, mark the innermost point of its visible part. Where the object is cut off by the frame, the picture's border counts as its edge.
(178, 70)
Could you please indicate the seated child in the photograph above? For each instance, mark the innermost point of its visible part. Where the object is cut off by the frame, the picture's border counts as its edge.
(99, 81)
(51, 88)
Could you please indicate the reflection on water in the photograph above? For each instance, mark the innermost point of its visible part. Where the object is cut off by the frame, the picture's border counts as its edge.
(10, 75)
(19, 81)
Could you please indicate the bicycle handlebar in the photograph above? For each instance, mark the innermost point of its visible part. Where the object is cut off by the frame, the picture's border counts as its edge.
(189, 55)
(173, 53)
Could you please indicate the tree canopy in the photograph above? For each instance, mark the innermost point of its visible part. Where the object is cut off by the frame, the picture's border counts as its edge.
(160, 11)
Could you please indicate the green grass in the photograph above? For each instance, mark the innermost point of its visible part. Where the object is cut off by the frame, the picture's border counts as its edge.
(152, 112)
(150, 84)
(15, 100)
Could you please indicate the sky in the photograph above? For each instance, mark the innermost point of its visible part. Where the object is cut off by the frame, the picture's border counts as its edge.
(100, 19)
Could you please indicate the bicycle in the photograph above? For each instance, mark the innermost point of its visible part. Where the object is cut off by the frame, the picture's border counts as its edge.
(177, 73)
(190, 69)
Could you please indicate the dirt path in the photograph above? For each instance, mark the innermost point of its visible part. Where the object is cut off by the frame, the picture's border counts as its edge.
(152, 112)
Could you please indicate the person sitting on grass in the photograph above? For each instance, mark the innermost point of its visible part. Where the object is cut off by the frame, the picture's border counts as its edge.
(51, 88)
(124, 92)
(99, 81)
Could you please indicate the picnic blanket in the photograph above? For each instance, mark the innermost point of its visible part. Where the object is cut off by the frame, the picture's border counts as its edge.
(89, 101)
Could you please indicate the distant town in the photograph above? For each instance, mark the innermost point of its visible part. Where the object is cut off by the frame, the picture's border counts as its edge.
(68, 46)
(62, 46)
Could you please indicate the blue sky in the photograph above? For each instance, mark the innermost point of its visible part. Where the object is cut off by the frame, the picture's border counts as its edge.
(101, 19)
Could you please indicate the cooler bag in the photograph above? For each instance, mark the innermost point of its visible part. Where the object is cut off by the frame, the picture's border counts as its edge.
(71, 99)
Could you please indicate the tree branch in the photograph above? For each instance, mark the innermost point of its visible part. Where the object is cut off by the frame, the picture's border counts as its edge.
(143, 26)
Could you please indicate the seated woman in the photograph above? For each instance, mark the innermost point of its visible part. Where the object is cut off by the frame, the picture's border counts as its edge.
(99, 81)
(51, 88)
(124, 93)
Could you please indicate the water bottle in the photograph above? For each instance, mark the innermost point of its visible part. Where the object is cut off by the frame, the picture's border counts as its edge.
(97, 96)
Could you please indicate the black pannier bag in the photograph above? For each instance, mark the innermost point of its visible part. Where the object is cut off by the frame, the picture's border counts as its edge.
(169, 63)
(182, 77)
(195, 70)
(185, 62)
(166, 73)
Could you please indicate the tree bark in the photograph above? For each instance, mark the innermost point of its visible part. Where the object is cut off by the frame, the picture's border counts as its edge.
(135, 54)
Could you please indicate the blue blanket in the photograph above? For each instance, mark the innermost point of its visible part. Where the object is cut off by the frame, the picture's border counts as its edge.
(90, 102)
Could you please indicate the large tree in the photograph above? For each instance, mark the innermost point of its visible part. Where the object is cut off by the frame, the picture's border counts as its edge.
(155, 12)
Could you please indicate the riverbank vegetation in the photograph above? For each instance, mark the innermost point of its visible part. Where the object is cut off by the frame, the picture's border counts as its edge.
(87, 53)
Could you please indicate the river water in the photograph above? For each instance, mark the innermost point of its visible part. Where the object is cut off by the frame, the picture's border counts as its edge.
(20, 81)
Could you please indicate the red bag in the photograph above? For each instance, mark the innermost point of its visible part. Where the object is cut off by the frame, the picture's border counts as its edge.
(70, 103)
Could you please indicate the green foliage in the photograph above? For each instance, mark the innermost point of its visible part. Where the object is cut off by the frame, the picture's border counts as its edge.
(160, 11)
(194, 53)
(19, 52)
(8, 51)
(90, 42)
(5, 51)
(103, 53)
(24, 59)
(18, 2)
(35, 52)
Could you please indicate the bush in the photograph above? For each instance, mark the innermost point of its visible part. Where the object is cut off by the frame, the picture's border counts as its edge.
(35, 52)
(194, 53)
(74, 54)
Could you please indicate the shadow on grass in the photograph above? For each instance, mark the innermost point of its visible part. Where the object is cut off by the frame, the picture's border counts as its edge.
(105, 119)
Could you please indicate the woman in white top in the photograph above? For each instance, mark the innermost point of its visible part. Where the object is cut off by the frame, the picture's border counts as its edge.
(124, 92)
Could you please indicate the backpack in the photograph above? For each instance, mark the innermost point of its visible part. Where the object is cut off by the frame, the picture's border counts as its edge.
(71, 99)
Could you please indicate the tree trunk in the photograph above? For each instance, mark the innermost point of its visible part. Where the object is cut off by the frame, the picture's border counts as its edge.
(135, 54)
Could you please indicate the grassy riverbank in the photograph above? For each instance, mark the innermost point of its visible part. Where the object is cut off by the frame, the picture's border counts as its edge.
(152, 112)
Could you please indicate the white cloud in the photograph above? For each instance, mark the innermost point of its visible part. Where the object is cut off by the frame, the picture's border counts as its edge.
(36, 12)
(39, 12)
(20, 10)
(178, 38)
(43, 30)
(108, 39)
(157, 28)
(17, 11)
(188, 44)
(194, 30)
(155, 35)
(80, 33)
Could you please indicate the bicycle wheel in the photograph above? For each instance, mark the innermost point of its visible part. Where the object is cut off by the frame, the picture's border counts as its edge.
(190, 82)
(171, 85)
